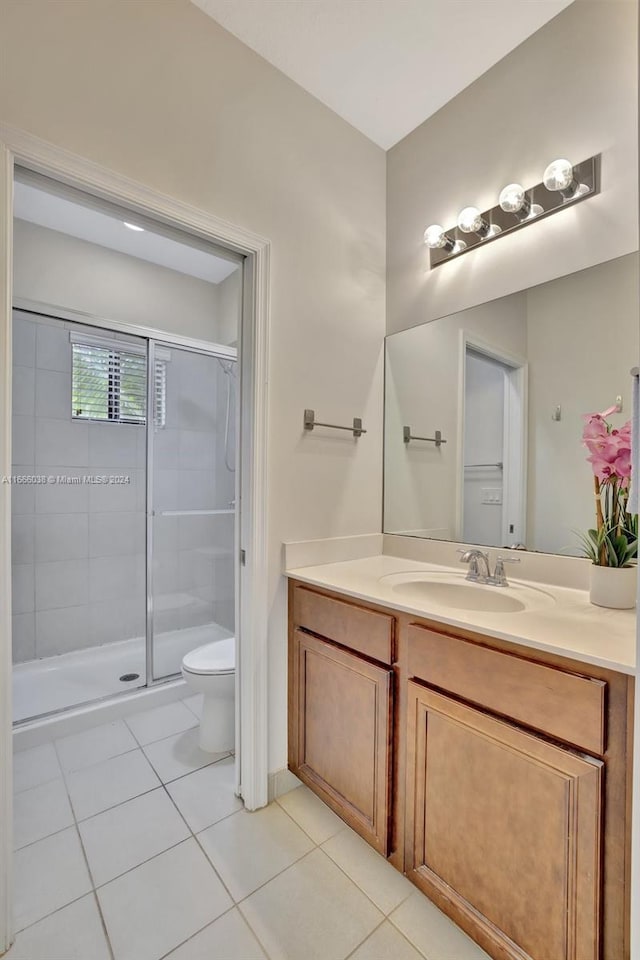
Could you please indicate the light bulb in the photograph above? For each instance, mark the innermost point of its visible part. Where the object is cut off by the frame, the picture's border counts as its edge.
(513, 199)
(470, 220)
(558, 175)
(436, 238)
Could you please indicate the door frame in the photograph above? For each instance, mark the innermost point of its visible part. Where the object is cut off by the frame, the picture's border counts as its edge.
(514, 476)
(20, 147)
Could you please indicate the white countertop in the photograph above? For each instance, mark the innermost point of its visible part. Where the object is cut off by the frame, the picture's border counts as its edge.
(565, 623)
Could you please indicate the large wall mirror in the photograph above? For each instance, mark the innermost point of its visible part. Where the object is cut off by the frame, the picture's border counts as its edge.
(483, 411)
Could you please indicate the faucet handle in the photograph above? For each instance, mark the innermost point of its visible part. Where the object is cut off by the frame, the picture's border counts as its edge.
(499, 575)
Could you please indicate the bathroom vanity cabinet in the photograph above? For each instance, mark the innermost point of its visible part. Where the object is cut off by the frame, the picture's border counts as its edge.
(341, 709)
(494, 775)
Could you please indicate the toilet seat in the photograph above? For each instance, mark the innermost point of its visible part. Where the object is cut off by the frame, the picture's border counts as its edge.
(213, 658)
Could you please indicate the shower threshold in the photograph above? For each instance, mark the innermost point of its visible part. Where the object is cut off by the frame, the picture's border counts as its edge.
(52, 684)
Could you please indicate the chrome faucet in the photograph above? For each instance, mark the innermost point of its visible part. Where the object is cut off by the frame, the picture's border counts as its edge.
(476, 559)
(480, 570)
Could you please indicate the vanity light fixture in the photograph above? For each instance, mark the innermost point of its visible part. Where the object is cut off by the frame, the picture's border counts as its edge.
(563, 184)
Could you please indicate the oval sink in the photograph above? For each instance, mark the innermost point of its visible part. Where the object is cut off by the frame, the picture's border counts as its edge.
(456, 593)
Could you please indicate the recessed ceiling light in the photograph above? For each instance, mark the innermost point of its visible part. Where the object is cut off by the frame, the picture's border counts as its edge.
(133, 226)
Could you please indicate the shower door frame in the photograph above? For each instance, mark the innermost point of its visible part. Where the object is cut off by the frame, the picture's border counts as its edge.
(18, 147)
(215, 351)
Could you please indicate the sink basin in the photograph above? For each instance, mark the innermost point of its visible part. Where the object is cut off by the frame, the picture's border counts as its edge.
(448, 590)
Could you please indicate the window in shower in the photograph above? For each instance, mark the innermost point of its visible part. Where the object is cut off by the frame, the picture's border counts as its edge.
(109, 382)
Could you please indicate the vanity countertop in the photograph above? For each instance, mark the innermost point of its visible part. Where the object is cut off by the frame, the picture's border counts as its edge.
(564, 623)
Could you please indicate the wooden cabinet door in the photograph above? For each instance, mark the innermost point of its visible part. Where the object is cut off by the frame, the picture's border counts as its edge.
(503, 831)
(340, 733)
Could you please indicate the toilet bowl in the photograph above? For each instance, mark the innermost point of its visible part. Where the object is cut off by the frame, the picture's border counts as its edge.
(210, 670)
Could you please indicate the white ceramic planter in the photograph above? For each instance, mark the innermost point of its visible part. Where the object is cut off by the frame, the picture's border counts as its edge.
(614, 587)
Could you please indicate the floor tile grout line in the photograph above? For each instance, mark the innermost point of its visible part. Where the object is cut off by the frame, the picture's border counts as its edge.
(196, 932)
(355, 882)
(320, 846)
(233, 907)
(274, 877)
(87, 893)
(200, 847)
(368, 937)
(399, 930)
(95, 893)
(17, 793)
(103, 924)
(173, 779)
(197, 716)
(300, 827)
(120, 803)
(154, 856)
(54, 833)
(169, 735)
(96, 763)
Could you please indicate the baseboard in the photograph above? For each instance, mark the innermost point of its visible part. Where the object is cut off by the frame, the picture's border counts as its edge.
(281, 782)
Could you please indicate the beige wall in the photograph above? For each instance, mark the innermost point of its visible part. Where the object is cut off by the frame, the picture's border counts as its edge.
(582, 340)
(569, 90)
(158, 92)
(60, 270)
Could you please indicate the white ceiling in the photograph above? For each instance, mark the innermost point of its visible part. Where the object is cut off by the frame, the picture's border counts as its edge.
(383, 65)
(108, 230)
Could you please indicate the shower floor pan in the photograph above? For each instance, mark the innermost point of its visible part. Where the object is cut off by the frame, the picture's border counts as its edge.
(52, 684)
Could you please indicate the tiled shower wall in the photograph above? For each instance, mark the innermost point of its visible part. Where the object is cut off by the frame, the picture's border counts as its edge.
(79, 551)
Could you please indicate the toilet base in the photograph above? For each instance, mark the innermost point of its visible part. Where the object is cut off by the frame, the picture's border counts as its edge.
(217, 725)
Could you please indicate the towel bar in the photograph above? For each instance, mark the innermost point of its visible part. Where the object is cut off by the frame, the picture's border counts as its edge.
(310, 422)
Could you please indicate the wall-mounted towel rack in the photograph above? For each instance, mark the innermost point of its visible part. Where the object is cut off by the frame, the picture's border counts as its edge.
(407, 436)
(310, 422)
(497, 466)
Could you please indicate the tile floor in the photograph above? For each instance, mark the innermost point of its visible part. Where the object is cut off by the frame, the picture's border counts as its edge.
(130, 845)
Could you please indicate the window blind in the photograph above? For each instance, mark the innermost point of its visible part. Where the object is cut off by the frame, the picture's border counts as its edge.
(160, 393)
(109, 382)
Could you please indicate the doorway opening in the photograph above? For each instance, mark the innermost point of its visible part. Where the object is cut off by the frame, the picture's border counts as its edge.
(492, 455)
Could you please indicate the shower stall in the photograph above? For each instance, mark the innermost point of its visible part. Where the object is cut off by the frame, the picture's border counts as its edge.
(124, 509)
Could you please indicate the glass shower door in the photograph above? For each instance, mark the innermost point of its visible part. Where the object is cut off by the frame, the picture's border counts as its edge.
(191, 503)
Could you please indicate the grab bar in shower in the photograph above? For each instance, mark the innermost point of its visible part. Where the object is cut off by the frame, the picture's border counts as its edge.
(498, 466)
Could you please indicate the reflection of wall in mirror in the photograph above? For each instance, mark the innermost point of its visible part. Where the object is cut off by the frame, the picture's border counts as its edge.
(422, 381)
(582, 340)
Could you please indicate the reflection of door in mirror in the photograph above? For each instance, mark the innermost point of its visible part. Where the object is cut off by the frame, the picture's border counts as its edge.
(492, 477)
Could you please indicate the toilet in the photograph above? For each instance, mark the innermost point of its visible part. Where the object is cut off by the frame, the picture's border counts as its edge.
(210, 670)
